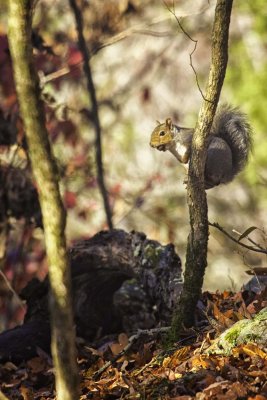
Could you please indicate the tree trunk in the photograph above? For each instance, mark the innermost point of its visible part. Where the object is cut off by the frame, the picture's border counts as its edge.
(54, 218)
(196, 255)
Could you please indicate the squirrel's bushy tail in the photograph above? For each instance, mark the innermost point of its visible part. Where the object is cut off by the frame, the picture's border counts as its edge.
(232, 126)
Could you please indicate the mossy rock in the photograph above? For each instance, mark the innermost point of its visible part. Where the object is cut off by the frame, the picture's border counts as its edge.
(244, 331)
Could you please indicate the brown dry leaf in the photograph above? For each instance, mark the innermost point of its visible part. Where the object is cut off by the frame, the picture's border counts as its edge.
(117, 381)
(168, 373)
(216, 388)
(178, 357)
(123, 339)
(252, 349)
(117, 348)
(239, 389)
(27, 393)
(37, 364)
(244, 311)
(240, 316)
(207, 380)
(144, 355)
(226, 294)
(229, 313)
(221, 318)
(240, 306)
(166, 362)
(259, 302)
(225, 390)
(258, 374)
(258, 397)
(252, 307)
(202, 361)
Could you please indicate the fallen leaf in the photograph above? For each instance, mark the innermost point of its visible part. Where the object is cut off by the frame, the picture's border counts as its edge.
(37, 364)
(178, 357)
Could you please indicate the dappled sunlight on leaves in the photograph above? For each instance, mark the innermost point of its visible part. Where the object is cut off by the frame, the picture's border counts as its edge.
(147, 369)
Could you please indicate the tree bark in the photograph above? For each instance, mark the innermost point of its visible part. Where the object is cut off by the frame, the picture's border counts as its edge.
(54, 218)
(2, 396)
(196, 255)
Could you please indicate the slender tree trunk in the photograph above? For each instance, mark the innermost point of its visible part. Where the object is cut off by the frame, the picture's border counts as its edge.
(54, 218)
(196, 255)
(94, 106)
(2, 396)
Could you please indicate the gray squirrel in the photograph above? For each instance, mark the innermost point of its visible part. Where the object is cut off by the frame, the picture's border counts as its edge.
(230, 143)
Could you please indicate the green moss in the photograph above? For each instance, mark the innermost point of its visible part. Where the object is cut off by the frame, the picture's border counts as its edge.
(262, 315)
(232, 335)
(152, 253)
(252, 337)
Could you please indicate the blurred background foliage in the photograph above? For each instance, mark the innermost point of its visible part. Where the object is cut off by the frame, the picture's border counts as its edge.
(141, 68)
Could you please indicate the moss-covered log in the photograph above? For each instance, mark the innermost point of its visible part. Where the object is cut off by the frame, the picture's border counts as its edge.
(103, 302)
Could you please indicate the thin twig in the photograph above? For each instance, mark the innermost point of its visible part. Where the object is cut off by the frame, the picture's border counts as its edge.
(132, 340)
(129, 32)
(95, 114)
(257, 250)
(57, 74)
(172, 11)
(250, 240)
(139, 29)
(10, 288)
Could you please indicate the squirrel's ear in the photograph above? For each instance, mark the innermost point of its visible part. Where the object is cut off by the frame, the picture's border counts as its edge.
(159, 123)
(169, 123)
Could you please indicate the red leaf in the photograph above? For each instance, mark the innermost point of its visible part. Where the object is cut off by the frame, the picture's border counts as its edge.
(70, 199)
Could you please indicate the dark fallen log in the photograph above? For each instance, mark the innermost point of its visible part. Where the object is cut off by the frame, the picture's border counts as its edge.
(22, 342)
(120, 282)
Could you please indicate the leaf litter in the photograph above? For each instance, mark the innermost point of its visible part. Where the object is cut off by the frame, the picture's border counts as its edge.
(140, 367)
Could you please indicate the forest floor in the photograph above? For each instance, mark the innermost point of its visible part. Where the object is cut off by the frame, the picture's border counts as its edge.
(140, 367)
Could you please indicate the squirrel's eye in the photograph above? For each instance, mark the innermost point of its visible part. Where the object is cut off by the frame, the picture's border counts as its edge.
(162, 133)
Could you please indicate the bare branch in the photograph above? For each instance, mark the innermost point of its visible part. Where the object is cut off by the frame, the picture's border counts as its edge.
(172, 11)
(141, 29)
(257, 249)
(95, 115)
(250, 240)
(10, 288)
